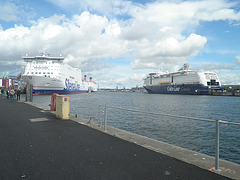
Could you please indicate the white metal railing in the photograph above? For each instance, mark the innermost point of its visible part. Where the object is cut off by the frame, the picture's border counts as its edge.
(105, 111)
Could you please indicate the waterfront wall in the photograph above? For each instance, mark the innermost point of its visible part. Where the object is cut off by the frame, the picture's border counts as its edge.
(227, 93)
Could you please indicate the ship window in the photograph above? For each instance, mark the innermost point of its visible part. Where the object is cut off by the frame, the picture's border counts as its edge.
(48, 72)
(27, 72)
(44, 72)
(51, 72)
(36, 72)
(213, 82)
(40, 73)
(32, 72)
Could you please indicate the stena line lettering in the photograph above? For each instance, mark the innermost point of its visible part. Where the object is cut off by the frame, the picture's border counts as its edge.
(172, 88)
(71, 85)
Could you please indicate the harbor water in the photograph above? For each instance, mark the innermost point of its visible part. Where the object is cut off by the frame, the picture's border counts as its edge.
(191, 134)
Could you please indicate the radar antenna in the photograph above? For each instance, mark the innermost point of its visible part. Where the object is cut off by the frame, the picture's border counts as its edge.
(44, 52)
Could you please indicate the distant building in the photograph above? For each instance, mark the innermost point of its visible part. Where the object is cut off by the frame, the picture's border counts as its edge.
(8, 81)
(5, 81)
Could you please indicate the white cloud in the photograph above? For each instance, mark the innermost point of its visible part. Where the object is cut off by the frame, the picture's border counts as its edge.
(158, 34)
(8, 11)
(216, 10)
(157, 30)
(169, 51)
(230, 78)
(15, 11)
(164, 12)
(120, 75)
(106, 7)
(82, 38)
(238, 60)
(215, 67)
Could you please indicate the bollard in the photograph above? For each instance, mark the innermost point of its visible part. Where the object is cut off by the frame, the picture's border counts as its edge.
(28, 96)
(62, 107)
(53, 101)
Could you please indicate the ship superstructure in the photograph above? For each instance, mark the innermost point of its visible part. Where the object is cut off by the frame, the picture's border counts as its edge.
(184, 81)
(50, 75)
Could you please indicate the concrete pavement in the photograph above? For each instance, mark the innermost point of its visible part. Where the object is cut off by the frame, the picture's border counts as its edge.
(37, 145)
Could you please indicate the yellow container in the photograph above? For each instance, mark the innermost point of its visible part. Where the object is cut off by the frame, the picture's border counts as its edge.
(62, 107)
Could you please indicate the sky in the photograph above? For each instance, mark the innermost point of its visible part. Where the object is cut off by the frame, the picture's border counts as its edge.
(119, 42)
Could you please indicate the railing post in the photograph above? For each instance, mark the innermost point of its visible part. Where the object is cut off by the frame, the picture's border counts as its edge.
(217, 147)
(105, 119)
(31, 93)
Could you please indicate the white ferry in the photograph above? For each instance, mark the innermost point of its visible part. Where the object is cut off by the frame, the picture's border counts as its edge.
(50, 75)
(184, 81)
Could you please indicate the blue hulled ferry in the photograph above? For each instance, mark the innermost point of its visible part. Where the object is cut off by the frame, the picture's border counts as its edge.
(184, 81)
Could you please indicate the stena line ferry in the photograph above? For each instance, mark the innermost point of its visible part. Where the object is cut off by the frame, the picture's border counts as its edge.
(184, 81)
(50, 75)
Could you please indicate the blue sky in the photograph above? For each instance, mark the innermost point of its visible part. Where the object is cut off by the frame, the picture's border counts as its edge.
(119, 42)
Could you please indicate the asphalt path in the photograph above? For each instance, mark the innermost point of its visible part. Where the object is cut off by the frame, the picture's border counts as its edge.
(34, 144)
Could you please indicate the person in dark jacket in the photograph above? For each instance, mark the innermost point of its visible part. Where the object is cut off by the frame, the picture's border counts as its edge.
(7, 91)
(18, 94)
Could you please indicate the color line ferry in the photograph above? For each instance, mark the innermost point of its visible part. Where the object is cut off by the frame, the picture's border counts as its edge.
(184, 81)
(50, 75)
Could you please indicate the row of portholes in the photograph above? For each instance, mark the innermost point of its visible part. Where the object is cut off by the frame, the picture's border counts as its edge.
(49, 62)
(39, 73)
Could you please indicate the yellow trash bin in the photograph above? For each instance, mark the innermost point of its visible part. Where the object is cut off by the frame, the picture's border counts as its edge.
(62, 107)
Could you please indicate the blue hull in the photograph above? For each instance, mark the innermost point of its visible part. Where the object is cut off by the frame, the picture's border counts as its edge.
(187, 89)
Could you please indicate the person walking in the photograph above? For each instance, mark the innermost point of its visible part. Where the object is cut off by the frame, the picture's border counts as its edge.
(2, 92)
(12, 92)
(7, 91)
(18, 94)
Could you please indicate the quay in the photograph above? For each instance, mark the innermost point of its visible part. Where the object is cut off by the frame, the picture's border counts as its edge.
(226, 93)
(37, 145)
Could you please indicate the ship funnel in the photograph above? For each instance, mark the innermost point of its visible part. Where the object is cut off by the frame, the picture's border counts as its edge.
(90, 78)
(85, 78)
(185, 67)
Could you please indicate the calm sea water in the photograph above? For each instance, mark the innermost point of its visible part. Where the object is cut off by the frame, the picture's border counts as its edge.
(191, 134)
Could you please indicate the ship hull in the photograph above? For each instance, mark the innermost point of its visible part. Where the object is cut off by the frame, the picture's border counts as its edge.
(46, 85)
(186, 89)
(48, 75)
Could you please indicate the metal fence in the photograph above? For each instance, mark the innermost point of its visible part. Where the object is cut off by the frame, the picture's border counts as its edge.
(105, 109)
